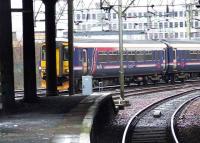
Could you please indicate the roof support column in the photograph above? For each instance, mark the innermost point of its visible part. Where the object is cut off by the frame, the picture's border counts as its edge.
(50, 46)
(71, 47)
(29, 52)
(6, 56)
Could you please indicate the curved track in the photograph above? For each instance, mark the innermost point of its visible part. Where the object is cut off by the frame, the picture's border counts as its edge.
(174, 118)
(147, 127)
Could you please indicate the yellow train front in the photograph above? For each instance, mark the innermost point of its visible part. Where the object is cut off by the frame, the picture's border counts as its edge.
(62, 65)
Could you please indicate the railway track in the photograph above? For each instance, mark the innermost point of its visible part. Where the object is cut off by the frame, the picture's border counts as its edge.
(152, 124)
(153, 89)
(173, 121)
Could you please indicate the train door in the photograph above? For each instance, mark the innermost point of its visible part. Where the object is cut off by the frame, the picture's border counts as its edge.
(164, 59)
(84, 62)
(174, 59)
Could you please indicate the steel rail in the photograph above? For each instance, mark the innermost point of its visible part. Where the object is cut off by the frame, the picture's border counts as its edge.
(172, 121)
(135, 118)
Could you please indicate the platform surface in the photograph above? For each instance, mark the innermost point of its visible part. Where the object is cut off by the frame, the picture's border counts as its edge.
(50, 120)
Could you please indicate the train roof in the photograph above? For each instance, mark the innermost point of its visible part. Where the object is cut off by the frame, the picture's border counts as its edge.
(127, 44)
(184, 44)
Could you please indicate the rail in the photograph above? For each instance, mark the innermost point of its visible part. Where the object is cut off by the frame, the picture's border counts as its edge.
(172, 121)
(135, 118)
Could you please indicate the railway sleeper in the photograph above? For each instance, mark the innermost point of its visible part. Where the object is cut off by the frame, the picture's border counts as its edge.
(150, 135)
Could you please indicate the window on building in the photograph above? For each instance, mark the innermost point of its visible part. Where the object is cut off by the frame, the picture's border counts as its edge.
(129, 14)
(78, 16)
(181, 14)
(181, 35)
(161, 35)
(198, 34)
(151, 35)
(140, 25)
(192, 23)
(171, 35)
(88, 16)
(155, 25)
(175, 14)
(186, 34)
(155, 35)
(94, 16)
(125, 25)
(114, 16)
(196, 24)
(181, 24)
(114, 26)
(130, 26)
(89, 27)
(166, 24)
(140, 14)
(176, 35)
(171, 24)
(185, 23)
(196, 13)
(134, 14)
(160, 14)
(145, 24)
(176, 24)
(83, 27)
(160, 25)
(83, 16)
(166, 35)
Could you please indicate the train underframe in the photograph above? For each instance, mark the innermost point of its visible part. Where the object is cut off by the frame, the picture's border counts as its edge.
(63, 83)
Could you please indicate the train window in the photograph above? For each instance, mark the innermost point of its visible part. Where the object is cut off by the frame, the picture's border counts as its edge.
(102, 56)
(65, 53)
(43, 53)
(148, 57)
(113, 57)
(130, 58)
(84, 56)
(139, 57)
(193, 55)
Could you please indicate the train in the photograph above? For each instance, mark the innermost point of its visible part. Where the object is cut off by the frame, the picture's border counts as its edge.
(144, 61)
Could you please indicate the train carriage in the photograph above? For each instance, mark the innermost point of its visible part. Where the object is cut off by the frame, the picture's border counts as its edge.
(144, 61)
(184, 59)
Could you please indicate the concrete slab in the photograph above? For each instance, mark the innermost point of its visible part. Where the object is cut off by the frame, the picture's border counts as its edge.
(53, 119)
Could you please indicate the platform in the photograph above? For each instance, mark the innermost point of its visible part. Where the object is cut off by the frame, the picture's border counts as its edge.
(59, 119)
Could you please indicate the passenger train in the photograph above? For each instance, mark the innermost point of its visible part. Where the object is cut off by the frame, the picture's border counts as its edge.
(144, 61)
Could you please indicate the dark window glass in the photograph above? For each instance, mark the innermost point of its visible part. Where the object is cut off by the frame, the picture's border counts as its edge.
(83, 16)
(113, 57)
(171, 24)
(194, 55)
(93, 16)
(181, 24)
(176, 24)
(102, 57)
(114, 15)
(65, 53)
(43, 53)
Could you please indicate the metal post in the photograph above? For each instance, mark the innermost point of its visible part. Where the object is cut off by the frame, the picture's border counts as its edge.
(29, 52)
(121, 49)
(50, 31)
(189, 13)
(6, 56)
(71, 48)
